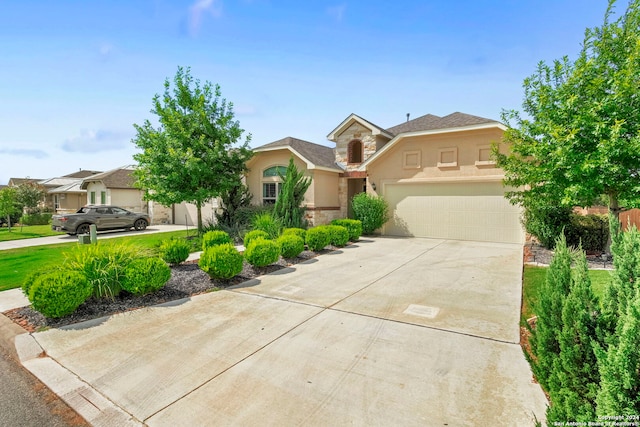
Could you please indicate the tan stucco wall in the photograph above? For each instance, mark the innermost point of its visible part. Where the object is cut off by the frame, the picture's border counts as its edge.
(126, 198)
(71, 202)
(391, 167)
(323, 191)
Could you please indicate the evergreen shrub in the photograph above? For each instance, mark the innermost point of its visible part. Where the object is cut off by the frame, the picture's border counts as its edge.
(59, 293)
(145, 275)
(255, 234)
(317, 238)
(339, 235)
(221, 261)
(353, 225)
(215, 237)
(291, 245)
(262, 252)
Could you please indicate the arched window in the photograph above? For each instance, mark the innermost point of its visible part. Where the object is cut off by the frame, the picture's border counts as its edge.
(354, 151)
(271, 184)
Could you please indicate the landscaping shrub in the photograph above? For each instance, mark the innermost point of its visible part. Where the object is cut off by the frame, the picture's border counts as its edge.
(175, 251)
(36, 219)
(288, 207)
(589, 231)
(545, 222)
(145, 275)
(261, 252)
(30, 279)
(300, 232)
(317, 238)
(254, 234)
(267, 223)
(215, 237)
(353, 226)
(372, 211)
(291, 245)
(221, 262)
(59, 293)
(338, 235)
(103, 265)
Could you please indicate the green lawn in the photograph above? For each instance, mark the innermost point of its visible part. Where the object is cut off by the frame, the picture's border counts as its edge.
(534, 277)
(26, 232)
(16, 264)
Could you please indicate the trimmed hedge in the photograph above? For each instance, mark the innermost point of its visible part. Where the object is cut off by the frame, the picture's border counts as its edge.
(255, 234)
(175, 251)
(145, 275)
(290, 245)
(221, 262)
(338, 235)
(36, 219)
(262, 252)
(592, 231)
(214, 238)
(59, 293)
(317, 238)
(300, 232)
(354, 227)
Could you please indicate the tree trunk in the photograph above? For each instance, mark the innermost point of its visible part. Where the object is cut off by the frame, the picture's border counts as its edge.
(614, 209)
(199, 214)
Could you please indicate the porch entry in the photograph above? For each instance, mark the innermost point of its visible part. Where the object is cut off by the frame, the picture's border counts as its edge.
(354, 186)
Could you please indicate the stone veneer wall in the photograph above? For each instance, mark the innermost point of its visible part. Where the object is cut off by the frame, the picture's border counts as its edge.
(160, 214)
(322, 216)
(355, 131)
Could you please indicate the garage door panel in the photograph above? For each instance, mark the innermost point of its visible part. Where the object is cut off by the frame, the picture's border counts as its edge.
(473, 211)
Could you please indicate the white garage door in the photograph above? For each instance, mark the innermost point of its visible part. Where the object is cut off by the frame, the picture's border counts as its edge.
(460, 211)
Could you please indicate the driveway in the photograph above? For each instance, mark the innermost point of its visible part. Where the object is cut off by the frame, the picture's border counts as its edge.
(384, 332)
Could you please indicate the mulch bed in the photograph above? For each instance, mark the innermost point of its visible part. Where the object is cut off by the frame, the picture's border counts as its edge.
(186, 280)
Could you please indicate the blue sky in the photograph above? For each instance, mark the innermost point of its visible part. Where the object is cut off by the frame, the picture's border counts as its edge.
(76, 75)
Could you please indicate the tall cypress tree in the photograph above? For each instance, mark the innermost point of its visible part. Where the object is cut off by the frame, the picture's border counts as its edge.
(288, 208)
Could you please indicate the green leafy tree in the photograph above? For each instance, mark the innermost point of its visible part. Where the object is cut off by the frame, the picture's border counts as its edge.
(288, 208)
(30, 195)
(192, 155)
(580, 136)
(8, 203)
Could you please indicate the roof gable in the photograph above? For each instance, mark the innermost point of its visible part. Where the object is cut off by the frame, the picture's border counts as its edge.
(315, 155)
(375, 129)
(432, 122)
(117, 178)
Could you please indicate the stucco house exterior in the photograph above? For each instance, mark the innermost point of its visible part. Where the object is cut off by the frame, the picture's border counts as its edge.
(435, 172)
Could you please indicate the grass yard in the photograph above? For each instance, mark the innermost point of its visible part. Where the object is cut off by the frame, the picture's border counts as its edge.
(26, 232)
(16, 264)
(534, 277)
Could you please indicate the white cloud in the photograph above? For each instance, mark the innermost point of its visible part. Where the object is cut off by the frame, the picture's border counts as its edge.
(36, 154)
(201, 8)
(337, 12)
(93, 141)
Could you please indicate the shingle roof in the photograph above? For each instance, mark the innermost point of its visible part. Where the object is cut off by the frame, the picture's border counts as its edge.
(73, 187)
(431, 122)
(319, 155)
(20, 181)
(82, 173)
(116, 178)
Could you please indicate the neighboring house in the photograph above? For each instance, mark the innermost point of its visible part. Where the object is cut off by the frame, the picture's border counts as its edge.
(116, 187)
(436, 173)
(62, 194)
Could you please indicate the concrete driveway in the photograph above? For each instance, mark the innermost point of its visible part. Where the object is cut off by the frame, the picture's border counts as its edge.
(384, 332)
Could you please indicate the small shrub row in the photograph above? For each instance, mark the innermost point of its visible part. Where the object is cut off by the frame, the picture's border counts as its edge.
(175, 251)
(99, 271)
(354, 227)
(214, 238)
(262, 252)
(221, 261)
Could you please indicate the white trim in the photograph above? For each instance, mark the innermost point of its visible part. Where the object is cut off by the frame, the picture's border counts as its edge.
(394, 141)
(354, 117)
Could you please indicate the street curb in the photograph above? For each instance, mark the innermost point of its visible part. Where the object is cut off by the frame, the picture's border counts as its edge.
(8, 332)
(80, 396)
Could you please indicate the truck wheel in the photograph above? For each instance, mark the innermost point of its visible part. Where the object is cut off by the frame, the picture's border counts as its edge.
(83, 229)
(140, 224)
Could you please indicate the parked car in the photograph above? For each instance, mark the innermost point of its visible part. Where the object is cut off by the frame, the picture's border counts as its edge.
(104, 217)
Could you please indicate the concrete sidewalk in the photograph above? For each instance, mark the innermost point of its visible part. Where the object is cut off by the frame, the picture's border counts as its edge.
(65, 238)
(383, 332)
